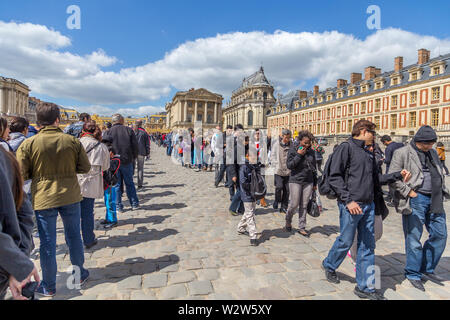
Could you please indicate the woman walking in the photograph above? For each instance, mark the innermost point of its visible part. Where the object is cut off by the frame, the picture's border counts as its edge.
(441, 152)
(4, 135)
(302, 181)
(92, 183)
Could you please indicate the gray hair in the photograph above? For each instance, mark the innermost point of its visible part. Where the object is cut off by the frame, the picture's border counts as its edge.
(286, 132)
(117, 118)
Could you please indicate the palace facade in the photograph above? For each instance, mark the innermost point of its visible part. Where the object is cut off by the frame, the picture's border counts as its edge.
(14, 101)
(251, 103)
(398, 102)
(194, 106)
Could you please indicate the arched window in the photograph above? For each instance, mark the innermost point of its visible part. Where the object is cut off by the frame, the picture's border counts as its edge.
(255, 95)
(250, 118)
(265, 95)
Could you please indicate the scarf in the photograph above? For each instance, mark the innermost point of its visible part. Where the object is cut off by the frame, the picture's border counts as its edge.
(427, 161)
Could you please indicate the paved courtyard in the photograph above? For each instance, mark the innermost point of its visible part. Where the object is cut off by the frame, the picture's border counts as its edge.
(182, 244)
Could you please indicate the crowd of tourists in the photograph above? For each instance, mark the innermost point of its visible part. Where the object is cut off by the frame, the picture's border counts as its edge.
(353, 175)
(47, 172)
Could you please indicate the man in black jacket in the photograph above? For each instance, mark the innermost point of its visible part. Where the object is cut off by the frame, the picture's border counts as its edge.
(16, 242)
(354, 177)
(124, 142)
(235, 156)
(143, 142)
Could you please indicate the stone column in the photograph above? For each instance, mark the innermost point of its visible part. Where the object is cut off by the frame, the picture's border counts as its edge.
(205, 116)
(195, 112)
(185, 111)
(215, 113)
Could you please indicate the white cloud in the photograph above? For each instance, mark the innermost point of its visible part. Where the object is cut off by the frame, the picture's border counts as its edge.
(109, 111)
(41, 58)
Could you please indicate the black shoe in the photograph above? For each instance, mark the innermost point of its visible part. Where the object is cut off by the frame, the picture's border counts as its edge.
(283, 211)
(417, 284)
(368, 295)
(139, 188)
(331, 276)
(254, 242)
(120, 210)
(133, 208)
(244, 233)
(435, 278)
(103, 222)
(88, 246)
(288, 229)
(110, 225)
(275, 205)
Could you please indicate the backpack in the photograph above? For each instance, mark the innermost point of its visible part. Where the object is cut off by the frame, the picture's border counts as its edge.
(110, 178)
(258, 188)
(324, 186)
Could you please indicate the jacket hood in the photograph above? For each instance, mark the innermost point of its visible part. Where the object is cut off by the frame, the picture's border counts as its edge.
(425, 134)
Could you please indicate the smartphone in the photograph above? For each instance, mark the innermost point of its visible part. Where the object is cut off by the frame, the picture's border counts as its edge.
(29, 289)
(300, 149)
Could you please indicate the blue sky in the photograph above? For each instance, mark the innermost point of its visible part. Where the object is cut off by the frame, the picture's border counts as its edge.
(137, 33)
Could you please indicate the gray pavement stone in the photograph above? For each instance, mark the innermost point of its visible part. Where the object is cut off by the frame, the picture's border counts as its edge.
(181, 277)
(173, 292)
(299, 290)
(200, 288)
(158, 280)
(208, 274)
(322, 287)
(133, 282)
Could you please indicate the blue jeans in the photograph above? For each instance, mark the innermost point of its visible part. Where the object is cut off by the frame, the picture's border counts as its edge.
(110, 204)
(126, 171)
(87, 220)
(237, 205)
(46, 222)
(424, 259)
(365, 259)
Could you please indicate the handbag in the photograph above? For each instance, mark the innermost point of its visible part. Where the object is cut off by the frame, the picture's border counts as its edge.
(313, 208)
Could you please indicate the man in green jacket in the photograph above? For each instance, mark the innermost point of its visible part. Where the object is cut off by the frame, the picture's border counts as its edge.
(52, 160)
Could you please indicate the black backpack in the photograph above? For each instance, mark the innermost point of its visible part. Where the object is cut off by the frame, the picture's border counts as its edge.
(258, 188)
(324, 186)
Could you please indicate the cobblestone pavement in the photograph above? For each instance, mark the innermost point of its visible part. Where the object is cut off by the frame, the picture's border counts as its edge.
(183, 244)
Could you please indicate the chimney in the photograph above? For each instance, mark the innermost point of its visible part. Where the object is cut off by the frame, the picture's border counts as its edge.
(369, 73)
(398, 65)
(355, 77)
(424, 56)
(377, 72)
(303, 94)
(341, 83)
(316, 90)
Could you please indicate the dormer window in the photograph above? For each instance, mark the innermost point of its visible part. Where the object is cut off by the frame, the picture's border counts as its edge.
(351, 92)
(378, 85)
(413, 76)
(394, 81)
(329, 98)
(436, 71)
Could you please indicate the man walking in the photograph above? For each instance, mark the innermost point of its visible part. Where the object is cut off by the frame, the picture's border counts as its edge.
(354, 177)
(75, 129)
(143, 142)
(421, 203)
(125, 144)
(391, 146)
(52, 161)
(282, 173)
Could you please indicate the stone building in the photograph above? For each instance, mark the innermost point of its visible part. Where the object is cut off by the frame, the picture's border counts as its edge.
(157, 123)
(398, 102)
(251, 103)
(194, 106)
(13, 98)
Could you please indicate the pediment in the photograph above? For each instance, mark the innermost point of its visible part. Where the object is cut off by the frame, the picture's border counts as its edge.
(202, 94)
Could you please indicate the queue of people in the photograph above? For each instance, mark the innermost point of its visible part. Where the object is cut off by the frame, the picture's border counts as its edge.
(86, 164)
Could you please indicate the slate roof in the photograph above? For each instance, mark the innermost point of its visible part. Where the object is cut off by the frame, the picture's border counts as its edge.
(256, 79)
(404, 80)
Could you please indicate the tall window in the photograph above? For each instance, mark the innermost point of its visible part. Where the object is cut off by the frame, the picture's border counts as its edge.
(436, 92)
(394, 101)
(434, 117)
(319, 114)
(349, 126)
(350, 109)
(265, 95)
(328, 128)
(377, 122)
(339, 111)
(393, 122)
(412, 119)
(377, 105)
(255, 95)
(363, 107)
(413, 97)
(318, 128)
(414, 76)
(250, 118)
(328, 113)
(338, 126)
